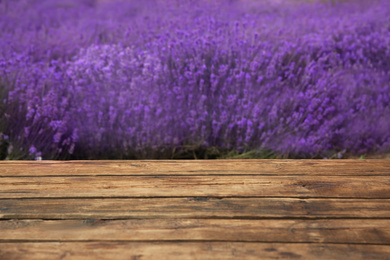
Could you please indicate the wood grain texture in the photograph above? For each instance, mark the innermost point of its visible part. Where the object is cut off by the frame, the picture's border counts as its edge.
(183, 251)
(193, 207)
(350, 231)
(220, 209)
(217, 186)
(198, 167)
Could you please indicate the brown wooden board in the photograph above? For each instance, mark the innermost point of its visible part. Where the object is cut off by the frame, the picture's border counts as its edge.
(193, 207)
(183, 186)
(198, 167)
(221, 209)
(347, 231)
(185, 250)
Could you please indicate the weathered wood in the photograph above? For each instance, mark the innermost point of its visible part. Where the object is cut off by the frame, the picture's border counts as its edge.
(193, 207)
(350, 231)
(198, 167)
(183, 251)
(222, 209)
(218, 186)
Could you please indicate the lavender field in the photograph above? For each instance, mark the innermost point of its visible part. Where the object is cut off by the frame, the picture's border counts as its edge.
(85, 79)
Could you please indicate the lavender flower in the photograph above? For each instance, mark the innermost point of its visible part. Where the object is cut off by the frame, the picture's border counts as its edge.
(142, 79)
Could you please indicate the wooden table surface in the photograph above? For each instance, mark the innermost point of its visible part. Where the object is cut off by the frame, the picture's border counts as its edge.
(199, 209)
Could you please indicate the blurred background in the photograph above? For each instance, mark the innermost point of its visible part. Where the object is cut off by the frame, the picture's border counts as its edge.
(183, 79)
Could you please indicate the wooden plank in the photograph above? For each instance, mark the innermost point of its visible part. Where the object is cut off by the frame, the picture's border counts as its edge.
(350, 231)
(197, 167)
(198, 207)
(217, 186)
(183, 251)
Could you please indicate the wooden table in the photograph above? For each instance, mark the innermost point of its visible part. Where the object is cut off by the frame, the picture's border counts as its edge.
(216, 209)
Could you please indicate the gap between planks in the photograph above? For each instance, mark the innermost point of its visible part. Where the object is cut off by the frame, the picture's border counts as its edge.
(191, 250)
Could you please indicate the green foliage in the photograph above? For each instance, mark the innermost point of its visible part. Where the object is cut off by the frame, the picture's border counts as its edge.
(253, 154)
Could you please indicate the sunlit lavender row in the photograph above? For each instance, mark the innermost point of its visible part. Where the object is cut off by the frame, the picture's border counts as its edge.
(156, 79)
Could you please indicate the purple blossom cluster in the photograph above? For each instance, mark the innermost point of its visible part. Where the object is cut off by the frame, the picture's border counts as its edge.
(137, 79)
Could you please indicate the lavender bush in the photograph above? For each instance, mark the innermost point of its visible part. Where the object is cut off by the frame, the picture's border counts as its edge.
(152, 79)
